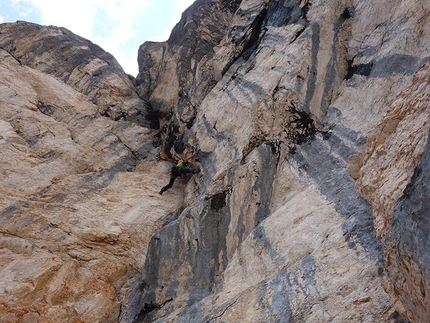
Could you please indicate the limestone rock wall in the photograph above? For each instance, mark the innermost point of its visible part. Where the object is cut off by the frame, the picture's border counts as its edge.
(308, 120)
(392, 166)
(307, 83)
(175, 76)
(81, 64)
(77, 189)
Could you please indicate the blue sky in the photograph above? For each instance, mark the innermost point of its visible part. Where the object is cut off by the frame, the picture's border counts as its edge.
(118, 26)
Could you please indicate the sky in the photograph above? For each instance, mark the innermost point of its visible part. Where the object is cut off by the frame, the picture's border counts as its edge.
(117, 26)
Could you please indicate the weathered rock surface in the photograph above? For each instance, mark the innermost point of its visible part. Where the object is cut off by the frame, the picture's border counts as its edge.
(396, 187)
(310, 124)
(328, 82)
(82, 65)
(75, 220)
(175, 76)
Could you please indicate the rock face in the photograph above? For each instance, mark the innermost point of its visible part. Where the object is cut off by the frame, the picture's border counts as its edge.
(82, 65)
(392, 177)
(77, 189)
(175, 76)
(309, 122)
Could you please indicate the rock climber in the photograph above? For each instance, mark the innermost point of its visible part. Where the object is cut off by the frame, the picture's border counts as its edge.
(178, 170)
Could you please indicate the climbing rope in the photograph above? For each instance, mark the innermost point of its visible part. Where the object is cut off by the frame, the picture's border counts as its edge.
(142, 285)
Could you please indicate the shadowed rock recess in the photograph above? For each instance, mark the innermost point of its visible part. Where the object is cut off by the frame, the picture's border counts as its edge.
(309, 121)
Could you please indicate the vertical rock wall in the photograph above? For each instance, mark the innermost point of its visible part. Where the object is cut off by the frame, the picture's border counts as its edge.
(311, 80)
(77, 186)
(81, 64)
(391, 168)
(175, 76)
(308, 120)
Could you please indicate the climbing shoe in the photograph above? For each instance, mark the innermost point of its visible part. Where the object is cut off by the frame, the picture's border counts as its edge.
(162, 191)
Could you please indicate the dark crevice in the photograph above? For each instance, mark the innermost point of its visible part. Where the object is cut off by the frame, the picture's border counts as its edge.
(12, 55)
(305, 10)
(218, 201)
(179, 145)
(297, 35)
(190, 123)
(250, 44)
(360, 69)
(346, 14)
(253, 143)
(397, 318)
(151, 307)
(154, 121)
(144, 115)
(253, 41)
(45, 109)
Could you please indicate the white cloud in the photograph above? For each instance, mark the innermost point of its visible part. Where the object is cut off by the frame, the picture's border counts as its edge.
(22, 11)
(80, 16)
(108, 23)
